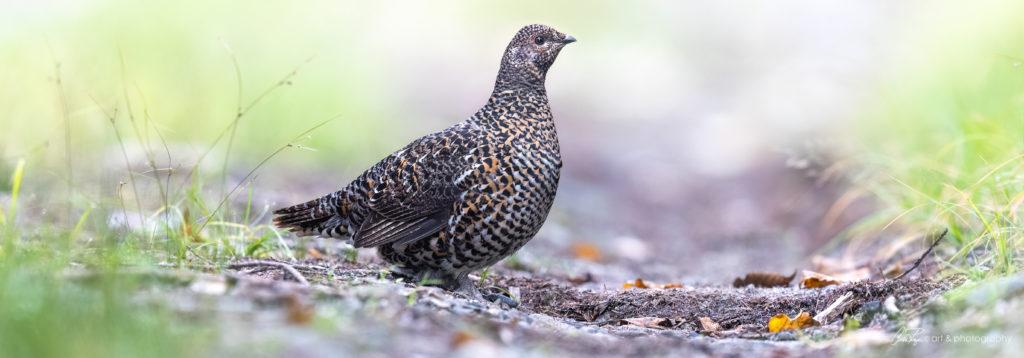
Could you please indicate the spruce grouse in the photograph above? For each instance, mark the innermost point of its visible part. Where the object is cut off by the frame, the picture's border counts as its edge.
(462, 199)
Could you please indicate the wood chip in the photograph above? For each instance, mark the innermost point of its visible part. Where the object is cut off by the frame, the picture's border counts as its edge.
(648, 322)
(707, 325)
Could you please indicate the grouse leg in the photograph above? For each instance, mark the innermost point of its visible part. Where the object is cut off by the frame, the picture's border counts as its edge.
(464, 285)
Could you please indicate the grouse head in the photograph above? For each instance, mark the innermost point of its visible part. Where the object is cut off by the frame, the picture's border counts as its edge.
(530, 54)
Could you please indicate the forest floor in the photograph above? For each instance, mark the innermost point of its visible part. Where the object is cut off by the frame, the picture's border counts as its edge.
(572, 287)
(361, 310)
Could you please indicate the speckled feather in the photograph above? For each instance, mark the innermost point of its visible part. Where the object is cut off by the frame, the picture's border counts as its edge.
(461, 199)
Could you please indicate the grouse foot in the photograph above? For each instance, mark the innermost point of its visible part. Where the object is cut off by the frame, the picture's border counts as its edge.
(499, 296)
(466, 287)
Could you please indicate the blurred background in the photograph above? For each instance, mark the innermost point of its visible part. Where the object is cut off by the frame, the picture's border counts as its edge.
(701, 141)
(688, 128)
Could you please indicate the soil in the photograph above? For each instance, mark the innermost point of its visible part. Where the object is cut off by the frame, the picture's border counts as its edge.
(363, 310)
(569, 280)
(572, 303)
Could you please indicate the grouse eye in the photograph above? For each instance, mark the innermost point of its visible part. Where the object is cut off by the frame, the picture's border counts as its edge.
(539, 40)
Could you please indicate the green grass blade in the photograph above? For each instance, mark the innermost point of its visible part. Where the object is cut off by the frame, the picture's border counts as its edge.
(12, 207)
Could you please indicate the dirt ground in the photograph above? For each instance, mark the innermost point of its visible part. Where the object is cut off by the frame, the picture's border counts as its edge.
(573, 302)
(360, 310)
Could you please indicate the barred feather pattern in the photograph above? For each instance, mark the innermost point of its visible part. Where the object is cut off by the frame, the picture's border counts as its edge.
(463, 198)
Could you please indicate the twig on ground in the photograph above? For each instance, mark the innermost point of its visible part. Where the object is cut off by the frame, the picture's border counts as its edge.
(827, 311)
(287, 268)
(365, 272)
(924, 255)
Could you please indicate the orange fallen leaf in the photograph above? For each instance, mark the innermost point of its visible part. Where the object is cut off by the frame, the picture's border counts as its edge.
(817, 280)
(298, 310)
(763, 279)
(782, 322)
(586, 251)
(314, 253)
(639, 283)
(460, 339)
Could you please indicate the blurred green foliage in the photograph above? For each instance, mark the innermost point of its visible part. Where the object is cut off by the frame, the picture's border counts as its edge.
(49, 312)
(944, 144)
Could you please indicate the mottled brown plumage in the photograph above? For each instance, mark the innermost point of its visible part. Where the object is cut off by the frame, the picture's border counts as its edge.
(458, 200)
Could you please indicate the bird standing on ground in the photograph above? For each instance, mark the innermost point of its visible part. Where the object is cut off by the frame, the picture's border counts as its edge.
(462, 199)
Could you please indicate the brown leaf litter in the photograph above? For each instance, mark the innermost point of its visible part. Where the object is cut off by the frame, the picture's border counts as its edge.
(727, 307)
(640, 283)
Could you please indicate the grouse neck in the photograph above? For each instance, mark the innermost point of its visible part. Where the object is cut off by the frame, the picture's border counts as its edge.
(521, 109)
(508, 97)
(519, 80)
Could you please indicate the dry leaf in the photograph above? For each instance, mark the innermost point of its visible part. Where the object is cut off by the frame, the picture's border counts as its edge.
(314, 253)
(782, 322)
(816, 280)
(639, 283)
(298, 310)
(586, 251)
(708, 325)
(186, 226)
(893, 270)
(649, 322)
(460, 339)
(764, 279)
(844, 270)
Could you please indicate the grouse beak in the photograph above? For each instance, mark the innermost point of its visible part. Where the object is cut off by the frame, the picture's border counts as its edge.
(568, 40)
